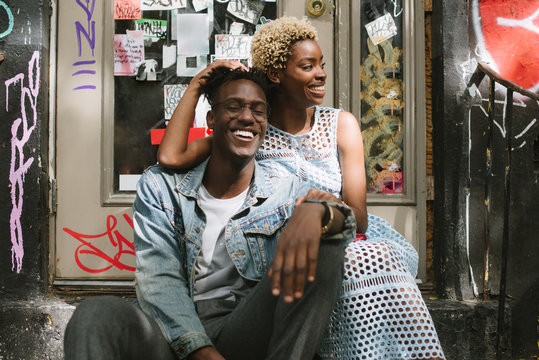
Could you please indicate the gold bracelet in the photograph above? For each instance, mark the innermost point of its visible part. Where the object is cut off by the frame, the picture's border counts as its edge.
(327, 226)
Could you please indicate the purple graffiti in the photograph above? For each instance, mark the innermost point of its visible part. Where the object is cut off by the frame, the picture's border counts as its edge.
(87, 32)
(18, 166)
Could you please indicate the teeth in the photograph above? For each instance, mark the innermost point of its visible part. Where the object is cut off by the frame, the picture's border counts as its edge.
(244, 133)
(318, 88)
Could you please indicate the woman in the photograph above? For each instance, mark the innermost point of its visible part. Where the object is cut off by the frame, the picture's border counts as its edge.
(380, 314)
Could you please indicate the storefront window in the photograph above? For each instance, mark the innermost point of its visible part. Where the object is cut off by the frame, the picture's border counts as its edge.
(158, 47)
(382, 95)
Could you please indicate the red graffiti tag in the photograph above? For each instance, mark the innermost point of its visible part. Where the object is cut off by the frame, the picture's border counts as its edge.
(122, 245)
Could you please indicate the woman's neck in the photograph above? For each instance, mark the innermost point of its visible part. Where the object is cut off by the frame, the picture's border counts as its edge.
(291, 119)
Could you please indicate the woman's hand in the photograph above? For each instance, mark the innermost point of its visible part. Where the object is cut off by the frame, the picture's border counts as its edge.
(175, 151)
(318, 195)
(200, 78)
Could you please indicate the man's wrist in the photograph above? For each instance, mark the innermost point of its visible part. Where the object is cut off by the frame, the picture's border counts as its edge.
(328, 218)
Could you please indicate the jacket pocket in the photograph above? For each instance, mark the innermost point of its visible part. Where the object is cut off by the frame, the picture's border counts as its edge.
(261, 233)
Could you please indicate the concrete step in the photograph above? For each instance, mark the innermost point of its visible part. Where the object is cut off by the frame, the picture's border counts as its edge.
(33, 329)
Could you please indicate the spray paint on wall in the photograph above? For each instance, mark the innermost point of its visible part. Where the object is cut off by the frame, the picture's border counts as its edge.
(9, 28)
(507, 36)
(85, 36)
(21, 130)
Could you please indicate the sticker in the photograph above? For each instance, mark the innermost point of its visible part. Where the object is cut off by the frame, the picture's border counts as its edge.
(248, 10)
(129, 182)
(163, 4)
(381, 29)
(153, 28)
(233, 46)
(128, 52)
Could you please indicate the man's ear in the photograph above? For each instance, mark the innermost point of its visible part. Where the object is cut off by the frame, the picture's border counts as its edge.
(273, 75)
(210, 119)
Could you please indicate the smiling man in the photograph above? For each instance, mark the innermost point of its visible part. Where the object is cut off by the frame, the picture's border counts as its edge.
(227, 264)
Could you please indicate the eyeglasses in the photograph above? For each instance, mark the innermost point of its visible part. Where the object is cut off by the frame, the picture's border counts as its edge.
(235, 108)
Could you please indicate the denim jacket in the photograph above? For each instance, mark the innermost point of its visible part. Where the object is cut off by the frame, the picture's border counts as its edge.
(168, 227)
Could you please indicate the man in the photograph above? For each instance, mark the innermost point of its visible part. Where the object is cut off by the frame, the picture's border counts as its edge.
(227, 266)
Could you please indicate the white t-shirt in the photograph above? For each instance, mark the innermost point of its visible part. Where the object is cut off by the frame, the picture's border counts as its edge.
(216, 277)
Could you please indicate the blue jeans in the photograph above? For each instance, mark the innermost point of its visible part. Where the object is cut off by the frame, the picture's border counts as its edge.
(260, 326)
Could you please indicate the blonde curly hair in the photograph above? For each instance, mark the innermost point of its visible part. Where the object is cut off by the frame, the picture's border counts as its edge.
(271, 43)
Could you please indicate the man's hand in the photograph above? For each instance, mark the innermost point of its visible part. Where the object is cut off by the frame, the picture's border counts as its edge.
(206, 353)
(296, 252)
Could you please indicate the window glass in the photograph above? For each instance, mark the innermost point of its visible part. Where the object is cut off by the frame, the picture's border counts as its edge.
(158, 47)
(382, 95)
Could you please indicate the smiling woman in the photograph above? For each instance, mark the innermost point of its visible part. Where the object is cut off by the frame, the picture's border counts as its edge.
(324, 148)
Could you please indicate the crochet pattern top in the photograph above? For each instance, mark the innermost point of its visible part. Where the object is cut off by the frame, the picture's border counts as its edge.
(380, 313)
(313, 156)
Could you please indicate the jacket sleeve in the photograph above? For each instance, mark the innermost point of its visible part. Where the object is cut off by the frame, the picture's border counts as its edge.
(348, 231)
(161, 283)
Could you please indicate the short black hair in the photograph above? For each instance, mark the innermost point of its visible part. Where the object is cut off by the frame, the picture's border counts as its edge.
(221, 76)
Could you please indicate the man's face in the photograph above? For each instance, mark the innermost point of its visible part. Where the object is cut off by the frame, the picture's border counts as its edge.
(238, 118)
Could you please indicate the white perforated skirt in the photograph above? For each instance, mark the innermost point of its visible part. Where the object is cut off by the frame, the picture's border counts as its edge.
(380, 313)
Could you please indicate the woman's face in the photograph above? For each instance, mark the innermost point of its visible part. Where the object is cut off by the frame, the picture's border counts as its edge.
(304, 77)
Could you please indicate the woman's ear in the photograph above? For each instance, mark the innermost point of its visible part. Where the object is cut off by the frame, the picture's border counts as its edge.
(273, 75)
(210, 119)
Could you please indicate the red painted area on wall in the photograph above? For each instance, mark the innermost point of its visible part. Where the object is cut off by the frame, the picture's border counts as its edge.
(195, 133)
(511, 33)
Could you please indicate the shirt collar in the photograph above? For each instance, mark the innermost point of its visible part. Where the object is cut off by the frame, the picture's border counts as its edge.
(261, 186)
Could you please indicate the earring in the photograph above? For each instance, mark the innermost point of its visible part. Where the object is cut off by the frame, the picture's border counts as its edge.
(277, 81)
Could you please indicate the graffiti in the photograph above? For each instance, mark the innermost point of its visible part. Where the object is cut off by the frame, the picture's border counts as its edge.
(85, 32)
(126, 9)
(23, 126)
(249, 11)
(172, 96)
(507, 38)
(524, 23)
(9, 14)
(381, 123)
(396, 6)
(516, 140)
(88, 251)
(163, 4)
(153, 28)
(232, 46)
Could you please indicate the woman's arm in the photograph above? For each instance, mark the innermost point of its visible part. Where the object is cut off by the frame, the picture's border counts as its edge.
(174, 150)
(354, 186)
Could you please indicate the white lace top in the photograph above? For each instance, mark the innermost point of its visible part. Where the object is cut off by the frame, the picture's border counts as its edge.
(313, 156)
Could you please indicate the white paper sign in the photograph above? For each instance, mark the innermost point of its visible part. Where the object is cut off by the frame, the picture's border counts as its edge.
(381, 29)
(163, 4)
(173, 94)
(189, 66)
(169, 56)
(128, 52)
(193, 34)
(200, 5)
(248, 10)
(233, 46)
(236, 28)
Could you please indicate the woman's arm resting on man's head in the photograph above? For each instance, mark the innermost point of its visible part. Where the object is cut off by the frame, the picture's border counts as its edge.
(174, 150)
